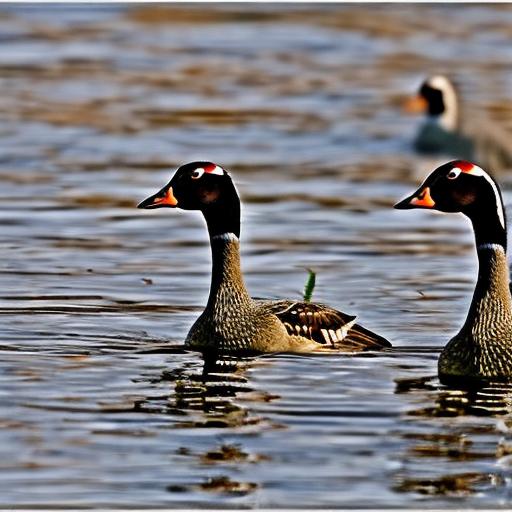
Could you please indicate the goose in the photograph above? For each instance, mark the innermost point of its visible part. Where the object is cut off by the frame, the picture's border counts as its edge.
(482, 349)
(232, 321)
(448, 131)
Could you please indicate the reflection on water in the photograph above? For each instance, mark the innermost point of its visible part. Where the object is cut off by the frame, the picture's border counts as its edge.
(464, 444)
(100, 403)
(206, 399)
(486, 399)
(206, 396)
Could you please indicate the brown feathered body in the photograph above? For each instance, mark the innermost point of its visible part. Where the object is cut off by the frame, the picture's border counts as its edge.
(483, 347)
(232, 321)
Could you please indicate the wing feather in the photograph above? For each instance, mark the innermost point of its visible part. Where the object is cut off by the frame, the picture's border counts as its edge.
(324, 325)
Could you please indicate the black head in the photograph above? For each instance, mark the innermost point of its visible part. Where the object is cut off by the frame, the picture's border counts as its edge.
(194, 186)
(434, 97)
(202, 186)
(461, 186)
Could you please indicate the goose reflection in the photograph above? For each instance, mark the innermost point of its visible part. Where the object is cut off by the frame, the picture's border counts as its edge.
(437, 442)
(486, 399)
(205, 392)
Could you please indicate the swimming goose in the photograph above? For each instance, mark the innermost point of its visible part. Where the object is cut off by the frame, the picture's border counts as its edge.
(447, 131)
(482, 350)
(232, 321)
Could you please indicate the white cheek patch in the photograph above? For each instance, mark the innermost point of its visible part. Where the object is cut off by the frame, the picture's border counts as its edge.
(478, 171)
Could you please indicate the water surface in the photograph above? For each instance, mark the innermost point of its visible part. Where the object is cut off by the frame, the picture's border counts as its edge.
(100, 404)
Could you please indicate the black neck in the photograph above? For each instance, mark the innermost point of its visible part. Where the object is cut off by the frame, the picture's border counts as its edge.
(223, 215)
(488, 227)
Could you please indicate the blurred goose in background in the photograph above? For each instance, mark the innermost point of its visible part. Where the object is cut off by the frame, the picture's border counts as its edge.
(448, 131)
(482, 350)
(232, 321)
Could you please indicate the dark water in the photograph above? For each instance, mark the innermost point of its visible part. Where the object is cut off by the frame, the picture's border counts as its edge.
(99, 403)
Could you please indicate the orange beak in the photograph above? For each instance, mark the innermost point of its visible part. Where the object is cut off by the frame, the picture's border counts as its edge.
(415, 105)
(420, 199)
(163, 198)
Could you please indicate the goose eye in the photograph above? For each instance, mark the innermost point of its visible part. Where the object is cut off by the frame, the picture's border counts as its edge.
(453, 174)
(197, 173)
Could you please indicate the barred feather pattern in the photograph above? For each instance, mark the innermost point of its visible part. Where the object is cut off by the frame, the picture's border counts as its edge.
(483, 347)
(316, 322)
(325, 325)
